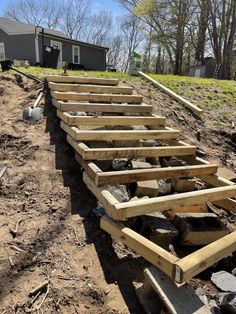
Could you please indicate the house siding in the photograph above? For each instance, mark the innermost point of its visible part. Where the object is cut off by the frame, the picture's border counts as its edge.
(90, 58)
(19, 46)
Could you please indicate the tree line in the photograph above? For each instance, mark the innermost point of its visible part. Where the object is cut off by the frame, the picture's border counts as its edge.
(171, 35)
(184, 32)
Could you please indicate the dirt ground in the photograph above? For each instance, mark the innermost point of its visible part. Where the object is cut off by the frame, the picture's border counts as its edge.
(59, 238)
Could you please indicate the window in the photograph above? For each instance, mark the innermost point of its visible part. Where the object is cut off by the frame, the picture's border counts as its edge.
(2, 52)
(76, 54)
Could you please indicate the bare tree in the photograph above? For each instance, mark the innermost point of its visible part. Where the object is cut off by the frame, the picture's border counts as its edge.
(99, 28)
(38, 12)
(222, 31)
(74, 17)
(133, 35)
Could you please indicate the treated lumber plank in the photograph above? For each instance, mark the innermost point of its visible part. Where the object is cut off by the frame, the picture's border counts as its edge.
(130, 176)
(169, 92)
(81, 80)
(131, 99)
(105, 198)
(112, 120)
(105, 135)
(142, 246)
(90, 88)
(193, 264)
(96, 107)
(147, 206)
(136, 152)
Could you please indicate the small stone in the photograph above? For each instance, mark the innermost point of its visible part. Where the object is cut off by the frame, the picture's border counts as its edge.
(224, 281)
(81, 114)
(234, 271)
(202, 296)
(147, 188)
(135, 164)
(164, 186)
(120, 163)
(228, 302)
(119, 192)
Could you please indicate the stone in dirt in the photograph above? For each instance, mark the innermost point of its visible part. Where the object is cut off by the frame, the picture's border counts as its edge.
(120, 163)
(175, 300)
(181, 185)
(228, 303)
(164, 186)
(199, 228)
(224, 281)
(135, 164)
(157, 228)
(119, 192)
(147, 188)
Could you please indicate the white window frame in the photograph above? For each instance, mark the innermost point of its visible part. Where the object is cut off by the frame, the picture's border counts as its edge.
(73, 54)
(58, 43)
(3, 46)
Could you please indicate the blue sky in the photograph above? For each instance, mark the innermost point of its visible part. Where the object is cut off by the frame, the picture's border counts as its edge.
(110, 5)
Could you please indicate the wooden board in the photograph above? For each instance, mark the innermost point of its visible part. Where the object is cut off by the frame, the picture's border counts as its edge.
(82, 80)
(107, 98)
(96, 107)
(144, 247)
(129, 176)
(193, 264)
(196, 110)
(147, 206)
(105, 135)
(136, 152)
(90, 88)
(110, 120)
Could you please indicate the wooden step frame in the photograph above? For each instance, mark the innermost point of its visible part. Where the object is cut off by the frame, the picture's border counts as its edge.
(129, 152)
(82, 80)
(85, 88)
(72, 120)
(99, 107)
(104, 98)
(180, 270)
(111, 135)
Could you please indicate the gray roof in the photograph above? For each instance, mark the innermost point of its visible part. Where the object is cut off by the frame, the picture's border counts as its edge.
(17, 28)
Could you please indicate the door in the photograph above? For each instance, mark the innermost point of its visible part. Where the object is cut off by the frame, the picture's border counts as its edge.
(2, 52)
(58, 45)
(197, 73)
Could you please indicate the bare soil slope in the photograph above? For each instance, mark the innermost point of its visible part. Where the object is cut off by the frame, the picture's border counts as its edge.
(58, 236)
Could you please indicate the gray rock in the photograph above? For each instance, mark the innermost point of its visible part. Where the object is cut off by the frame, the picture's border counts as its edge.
(120, 163)
(224, 281)
(200, 292)
(164, 186)
(119, 192)
(214, 309)
(234, 272)
(80, 114)
(228, 303)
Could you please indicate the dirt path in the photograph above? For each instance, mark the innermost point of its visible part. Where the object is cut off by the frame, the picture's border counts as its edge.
(58, 234)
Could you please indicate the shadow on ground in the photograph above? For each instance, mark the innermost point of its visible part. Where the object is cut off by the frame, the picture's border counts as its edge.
(119, 271)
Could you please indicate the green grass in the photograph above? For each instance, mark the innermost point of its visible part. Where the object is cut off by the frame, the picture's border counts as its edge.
(205, 93)
(40, 72)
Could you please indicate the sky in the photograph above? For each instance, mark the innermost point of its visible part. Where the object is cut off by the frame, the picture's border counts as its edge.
(110, 5)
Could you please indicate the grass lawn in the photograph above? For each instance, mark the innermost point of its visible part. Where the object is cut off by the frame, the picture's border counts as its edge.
(205, 93)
